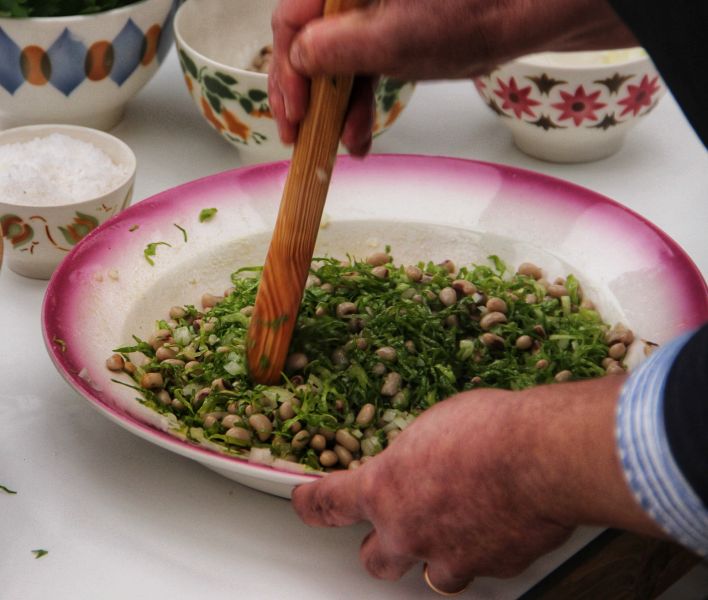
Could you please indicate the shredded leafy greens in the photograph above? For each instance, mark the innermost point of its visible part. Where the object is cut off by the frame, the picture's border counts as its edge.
(57, 8)
(397, 347)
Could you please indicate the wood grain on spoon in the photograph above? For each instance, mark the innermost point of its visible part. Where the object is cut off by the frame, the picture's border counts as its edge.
(293, 243)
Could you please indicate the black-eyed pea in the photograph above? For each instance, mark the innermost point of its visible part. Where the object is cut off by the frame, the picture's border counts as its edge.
(541, 364)
(130, 368)
(238, 436)
(464, 287)
(327, 287)
(392, 435)
(452, 321)
(177, 405)
(163, 398)
(165, 353)
(491, 319)
(355, 464)
(414, 273)
(366, 415)
(159, 338)
(617, 350)
(210, 300)
(297, 361)
(327, 433)
(209, 421)
(492, 341)
(247, 311)
(380, 272)
(379, 369)
(562, 376)
(312, 281)
(318, 442)
(343, 455)
(391, 385)
(300, 440)
(524, 342)
(115, 363)
(409, 345)
(261, 425)
(296, 427)
(286, 411)
(152, 381)
(448, 265)
(328, 458)
(448, 296)
(559, 281)
(615, 369)
(495, 304)
(232, 408)
(539, 331)
(177, 312)
(173, 362)
(387, 353)
(249, 410)
(231, 420)
(344, 438)
(218, 384)
(344, 309)
(530, 270)
(530, 299)
(556, 291)
(228, 291)
(200, 396)
(607, 361)
(378, 258)
(587, 304)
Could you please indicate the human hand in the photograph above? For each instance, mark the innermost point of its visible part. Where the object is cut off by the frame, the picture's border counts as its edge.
(417, 40)
(484, 483)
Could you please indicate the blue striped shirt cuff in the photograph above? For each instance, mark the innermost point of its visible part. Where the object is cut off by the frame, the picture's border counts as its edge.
(649, 467)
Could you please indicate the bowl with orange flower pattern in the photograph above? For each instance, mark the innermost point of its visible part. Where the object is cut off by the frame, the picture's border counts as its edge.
(80, 69)
(573, 106)
(223, 49)
(57, 184)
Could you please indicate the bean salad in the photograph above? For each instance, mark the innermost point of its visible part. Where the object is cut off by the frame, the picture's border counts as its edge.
(375, 344)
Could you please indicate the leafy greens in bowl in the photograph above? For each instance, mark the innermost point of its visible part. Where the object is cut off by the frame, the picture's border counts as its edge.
(58, 8)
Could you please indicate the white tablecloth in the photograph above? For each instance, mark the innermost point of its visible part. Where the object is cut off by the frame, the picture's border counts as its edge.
(122, 518)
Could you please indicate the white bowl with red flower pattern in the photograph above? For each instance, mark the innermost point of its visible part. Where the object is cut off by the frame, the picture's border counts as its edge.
(573, 106)
(217, 42)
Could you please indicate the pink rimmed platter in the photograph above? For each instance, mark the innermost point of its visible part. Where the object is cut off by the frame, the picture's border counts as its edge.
(426, 208)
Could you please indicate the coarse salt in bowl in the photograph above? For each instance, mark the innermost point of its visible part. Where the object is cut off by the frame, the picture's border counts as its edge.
(57, 184)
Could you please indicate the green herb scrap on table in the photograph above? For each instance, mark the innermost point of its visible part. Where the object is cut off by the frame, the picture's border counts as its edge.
(57, 8)
(375, 344)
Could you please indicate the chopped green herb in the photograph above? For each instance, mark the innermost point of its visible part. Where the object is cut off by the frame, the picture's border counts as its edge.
(183, 230)
(373, 347)
(134, 228)
(7, 490)
(207, 214)
(151, 250)
(59, 342)
(40, 553)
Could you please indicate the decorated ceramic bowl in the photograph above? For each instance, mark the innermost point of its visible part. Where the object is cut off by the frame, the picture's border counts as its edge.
(573, 106)
(426, 208)
(218, 42)
(80, 70)
(37, 236)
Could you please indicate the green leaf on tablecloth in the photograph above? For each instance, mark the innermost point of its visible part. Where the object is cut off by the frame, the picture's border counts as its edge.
(40, 553)
(7, 490)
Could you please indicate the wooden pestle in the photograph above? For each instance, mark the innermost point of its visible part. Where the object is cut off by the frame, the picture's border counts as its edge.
(293, 243)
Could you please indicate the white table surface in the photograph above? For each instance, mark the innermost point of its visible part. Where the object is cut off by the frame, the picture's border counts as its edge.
(122, 518)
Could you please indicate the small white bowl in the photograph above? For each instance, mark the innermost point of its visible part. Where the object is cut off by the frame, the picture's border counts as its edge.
(38, 237)
(573, 106)
(217, 42)
(82, 69)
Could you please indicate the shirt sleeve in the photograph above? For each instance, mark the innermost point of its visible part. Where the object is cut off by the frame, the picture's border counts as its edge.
(673, 33)
(651, 413)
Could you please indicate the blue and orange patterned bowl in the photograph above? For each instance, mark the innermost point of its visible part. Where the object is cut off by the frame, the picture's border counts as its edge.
(573, 106)
(80, 70)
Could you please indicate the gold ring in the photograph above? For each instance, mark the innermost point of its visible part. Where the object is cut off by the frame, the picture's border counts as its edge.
(437, 590)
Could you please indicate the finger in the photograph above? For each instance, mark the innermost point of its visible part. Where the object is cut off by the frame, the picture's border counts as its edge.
(440, 578)
(288, 18)
(356, 135)
(379, 562)
(333, 501)
(287, 132)
(350, 43)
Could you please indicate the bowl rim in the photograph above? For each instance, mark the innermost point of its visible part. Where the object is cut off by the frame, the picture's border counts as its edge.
(527, 61)
(68, 18)
(182, 45)
(50, 128)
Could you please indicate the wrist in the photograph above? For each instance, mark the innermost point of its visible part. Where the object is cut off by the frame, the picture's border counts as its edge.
(575, 475)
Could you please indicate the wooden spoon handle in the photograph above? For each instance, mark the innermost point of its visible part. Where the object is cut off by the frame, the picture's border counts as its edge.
(293, 243)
